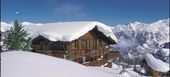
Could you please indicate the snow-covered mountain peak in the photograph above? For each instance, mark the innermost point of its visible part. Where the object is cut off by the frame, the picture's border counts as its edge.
(135, 35)
(165, 21)
(5, 26)
(135, 23)
(29, 23)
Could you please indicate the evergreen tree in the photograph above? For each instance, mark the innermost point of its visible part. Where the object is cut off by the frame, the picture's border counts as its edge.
(17, 38)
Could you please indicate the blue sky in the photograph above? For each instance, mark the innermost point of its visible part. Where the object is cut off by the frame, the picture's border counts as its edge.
(110, 12)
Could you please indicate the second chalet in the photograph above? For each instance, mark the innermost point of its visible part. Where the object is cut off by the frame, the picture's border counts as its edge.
(84, 42)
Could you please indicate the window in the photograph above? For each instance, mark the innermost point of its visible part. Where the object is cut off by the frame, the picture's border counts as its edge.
(79, 43)
(98, 44)
(80, 60)
(89, 58)
(91, 44)
(73, 46)
(87, 43)
(76, 44)
(83, 45)
(102, 43)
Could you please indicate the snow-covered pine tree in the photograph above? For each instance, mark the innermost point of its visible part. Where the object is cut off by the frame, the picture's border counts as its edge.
(17, 38)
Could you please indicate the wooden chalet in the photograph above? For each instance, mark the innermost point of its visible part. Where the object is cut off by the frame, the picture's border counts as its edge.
(154, 70)
(151, 72)
(89, 49)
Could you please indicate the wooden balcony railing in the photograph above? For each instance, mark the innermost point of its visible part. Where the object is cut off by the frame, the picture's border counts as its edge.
(76, 54)
(96, 52)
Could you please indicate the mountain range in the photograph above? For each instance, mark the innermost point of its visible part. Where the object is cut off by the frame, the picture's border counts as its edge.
(136, 38)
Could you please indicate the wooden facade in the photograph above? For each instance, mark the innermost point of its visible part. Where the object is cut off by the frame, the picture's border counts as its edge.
(113, 55)
(90, 49)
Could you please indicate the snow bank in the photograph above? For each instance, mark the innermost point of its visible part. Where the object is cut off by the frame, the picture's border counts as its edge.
(115, 65)
(156, 64)
(118, 72)
(68, 31)
(113, 72)
(28, 64)
(125, 74)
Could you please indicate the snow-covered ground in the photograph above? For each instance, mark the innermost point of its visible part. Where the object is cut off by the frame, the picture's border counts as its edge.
(29, 64)
(116, 71)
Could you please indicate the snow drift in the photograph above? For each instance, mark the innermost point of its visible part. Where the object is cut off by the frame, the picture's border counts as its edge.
(28, 64)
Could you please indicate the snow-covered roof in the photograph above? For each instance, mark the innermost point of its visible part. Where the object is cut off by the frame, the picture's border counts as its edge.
(165, 52)
(68, 31)
(29, 64)
(156, 64)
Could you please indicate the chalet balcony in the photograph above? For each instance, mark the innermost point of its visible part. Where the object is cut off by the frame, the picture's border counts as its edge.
(101, 51)
(76, 53)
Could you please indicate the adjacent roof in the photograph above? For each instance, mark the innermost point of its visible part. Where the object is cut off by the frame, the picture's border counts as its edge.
(68, 31)
(156, 64)
(165, 52)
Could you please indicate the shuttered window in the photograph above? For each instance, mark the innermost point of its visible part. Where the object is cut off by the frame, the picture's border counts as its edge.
(79, 41)
(83, 45)
(104, 43)
(77, 44)
(87, 43)
(91, 44)
(73, 45)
